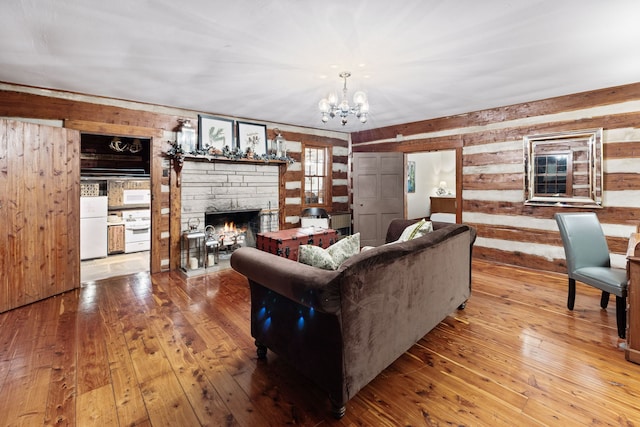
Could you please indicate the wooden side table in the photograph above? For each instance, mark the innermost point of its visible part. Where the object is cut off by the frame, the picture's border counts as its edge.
(632, 350)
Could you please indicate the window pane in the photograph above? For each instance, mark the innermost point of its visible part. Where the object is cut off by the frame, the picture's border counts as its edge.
(550, 176)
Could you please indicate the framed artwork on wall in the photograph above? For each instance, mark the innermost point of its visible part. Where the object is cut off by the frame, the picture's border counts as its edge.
(411, 176)
(252, 135)
(214, 133)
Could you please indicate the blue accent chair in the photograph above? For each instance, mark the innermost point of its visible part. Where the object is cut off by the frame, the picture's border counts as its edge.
(587, 254)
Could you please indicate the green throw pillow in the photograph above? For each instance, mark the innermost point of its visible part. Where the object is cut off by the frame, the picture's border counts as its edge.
(416, 230)
(332, 257)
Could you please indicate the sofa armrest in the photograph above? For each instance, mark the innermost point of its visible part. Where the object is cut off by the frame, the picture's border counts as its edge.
(304, 284)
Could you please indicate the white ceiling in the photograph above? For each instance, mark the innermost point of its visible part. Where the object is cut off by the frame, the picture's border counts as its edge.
(272, 60)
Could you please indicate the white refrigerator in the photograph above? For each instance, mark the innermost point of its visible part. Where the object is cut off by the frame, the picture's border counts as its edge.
(93, 227)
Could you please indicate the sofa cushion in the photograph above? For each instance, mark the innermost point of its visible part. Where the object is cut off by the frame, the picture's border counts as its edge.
(416, 230)
(332, 257)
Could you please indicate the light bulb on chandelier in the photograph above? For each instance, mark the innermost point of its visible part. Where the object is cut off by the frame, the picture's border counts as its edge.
(330, 107)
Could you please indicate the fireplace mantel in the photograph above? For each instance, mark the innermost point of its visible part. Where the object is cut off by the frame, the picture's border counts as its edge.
(209, 158)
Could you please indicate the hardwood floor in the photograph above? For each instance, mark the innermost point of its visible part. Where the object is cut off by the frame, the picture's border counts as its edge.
(164, 351)
(114, 265)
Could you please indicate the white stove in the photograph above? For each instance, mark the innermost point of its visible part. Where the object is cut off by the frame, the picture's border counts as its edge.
(137, 230)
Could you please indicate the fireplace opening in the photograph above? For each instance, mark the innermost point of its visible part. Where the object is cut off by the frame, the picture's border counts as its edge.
(234, 229)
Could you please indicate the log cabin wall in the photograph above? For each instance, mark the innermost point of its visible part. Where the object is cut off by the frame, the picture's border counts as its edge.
(491, 148)
(111, 116)
(291, 192)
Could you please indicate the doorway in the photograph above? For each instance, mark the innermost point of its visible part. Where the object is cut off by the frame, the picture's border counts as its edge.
(434, 176)
(115, 234)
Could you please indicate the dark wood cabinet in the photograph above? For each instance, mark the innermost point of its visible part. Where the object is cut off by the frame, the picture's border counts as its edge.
(632, 351)
(443, 204)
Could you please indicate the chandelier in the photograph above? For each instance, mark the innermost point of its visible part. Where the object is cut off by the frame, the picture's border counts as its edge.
(329, 106)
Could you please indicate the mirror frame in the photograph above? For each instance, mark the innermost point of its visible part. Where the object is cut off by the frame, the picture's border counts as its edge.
(592, 140)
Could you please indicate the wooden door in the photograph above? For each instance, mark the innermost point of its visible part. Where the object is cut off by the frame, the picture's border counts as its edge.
(378, 194)
(39, 212)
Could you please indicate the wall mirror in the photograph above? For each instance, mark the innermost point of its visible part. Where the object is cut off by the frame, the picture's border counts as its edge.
(564, 169)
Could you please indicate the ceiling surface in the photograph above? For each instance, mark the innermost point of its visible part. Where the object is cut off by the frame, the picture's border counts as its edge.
(273, 60)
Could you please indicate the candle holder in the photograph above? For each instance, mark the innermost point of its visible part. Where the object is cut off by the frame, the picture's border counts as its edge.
(193, 250)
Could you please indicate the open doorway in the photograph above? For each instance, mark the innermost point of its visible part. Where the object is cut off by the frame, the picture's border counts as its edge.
(434, 182)
(115, 206)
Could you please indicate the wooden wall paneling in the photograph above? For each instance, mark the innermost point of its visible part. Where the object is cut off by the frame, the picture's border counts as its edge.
(112, 128)
(284, 176)
(621, 181)
(4, 214)
(22, 104)
(16, 215)
(621, 150)
(459, 183)
(559, 104)
(72, 169)
(158, 149)
(481, 181)
(49, 236)
(33, 216)
(518, 258)
(175, 228)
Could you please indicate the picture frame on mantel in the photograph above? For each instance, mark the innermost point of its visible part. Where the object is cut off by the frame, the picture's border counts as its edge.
(252, 135)
(214, 133)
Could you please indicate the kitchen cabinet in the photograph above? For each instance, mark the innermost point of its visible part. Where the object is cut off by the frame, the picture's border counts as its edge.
(117, 190)
(115, 239)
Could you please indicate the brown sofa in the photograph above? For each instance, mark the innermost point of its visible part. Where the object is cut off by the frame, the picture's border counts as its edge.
(342, 328)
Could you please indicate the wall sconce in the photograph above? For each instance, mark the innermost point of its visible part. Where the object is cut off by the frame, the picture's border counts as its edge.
(278, 144)
(186, 136)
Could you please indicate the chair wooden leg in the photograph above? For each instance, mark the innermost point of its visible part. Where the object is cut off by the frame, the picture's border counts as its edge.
(621, 315)
(572, 294)
(604, 299)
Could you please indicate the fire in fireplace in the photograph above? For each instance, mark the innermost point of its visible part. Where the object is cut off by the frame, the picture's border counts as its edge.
(234, 228)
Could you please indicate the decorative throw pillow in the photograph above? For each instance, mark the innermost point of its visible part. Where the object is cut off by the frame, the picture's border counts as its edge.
(316, 257)
(344, 248)
(416, 230)
(332, 257)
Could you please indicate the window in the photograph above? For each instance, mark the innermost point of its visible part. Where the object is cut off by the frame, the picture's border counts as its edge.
(317, 183)
(553, 174)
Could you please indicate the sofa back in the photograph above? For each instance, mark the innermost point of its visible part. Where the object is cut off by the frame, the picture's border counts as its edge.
(392, 295)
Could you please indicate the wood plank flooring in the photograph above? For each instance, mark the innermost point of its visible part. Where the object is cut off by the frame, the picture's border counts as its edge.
(162, 350)
(114, 265)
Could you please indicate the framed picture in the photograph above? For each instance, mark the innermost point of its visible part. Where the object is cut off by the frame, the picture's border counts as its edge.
(214, 133)
(411, 177)
(252, 135)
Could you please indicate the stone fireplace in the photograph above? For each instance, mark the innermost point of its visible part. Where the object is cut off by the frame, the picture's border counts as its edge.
(225, 191)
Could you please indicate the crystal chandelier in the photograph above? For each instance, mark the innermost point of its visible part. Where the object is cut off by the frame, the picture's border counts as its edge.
(329, 106)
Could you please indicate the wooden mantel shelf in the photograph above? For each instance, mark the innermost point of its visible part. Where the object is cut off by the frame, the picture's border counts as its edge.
(202, 158)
